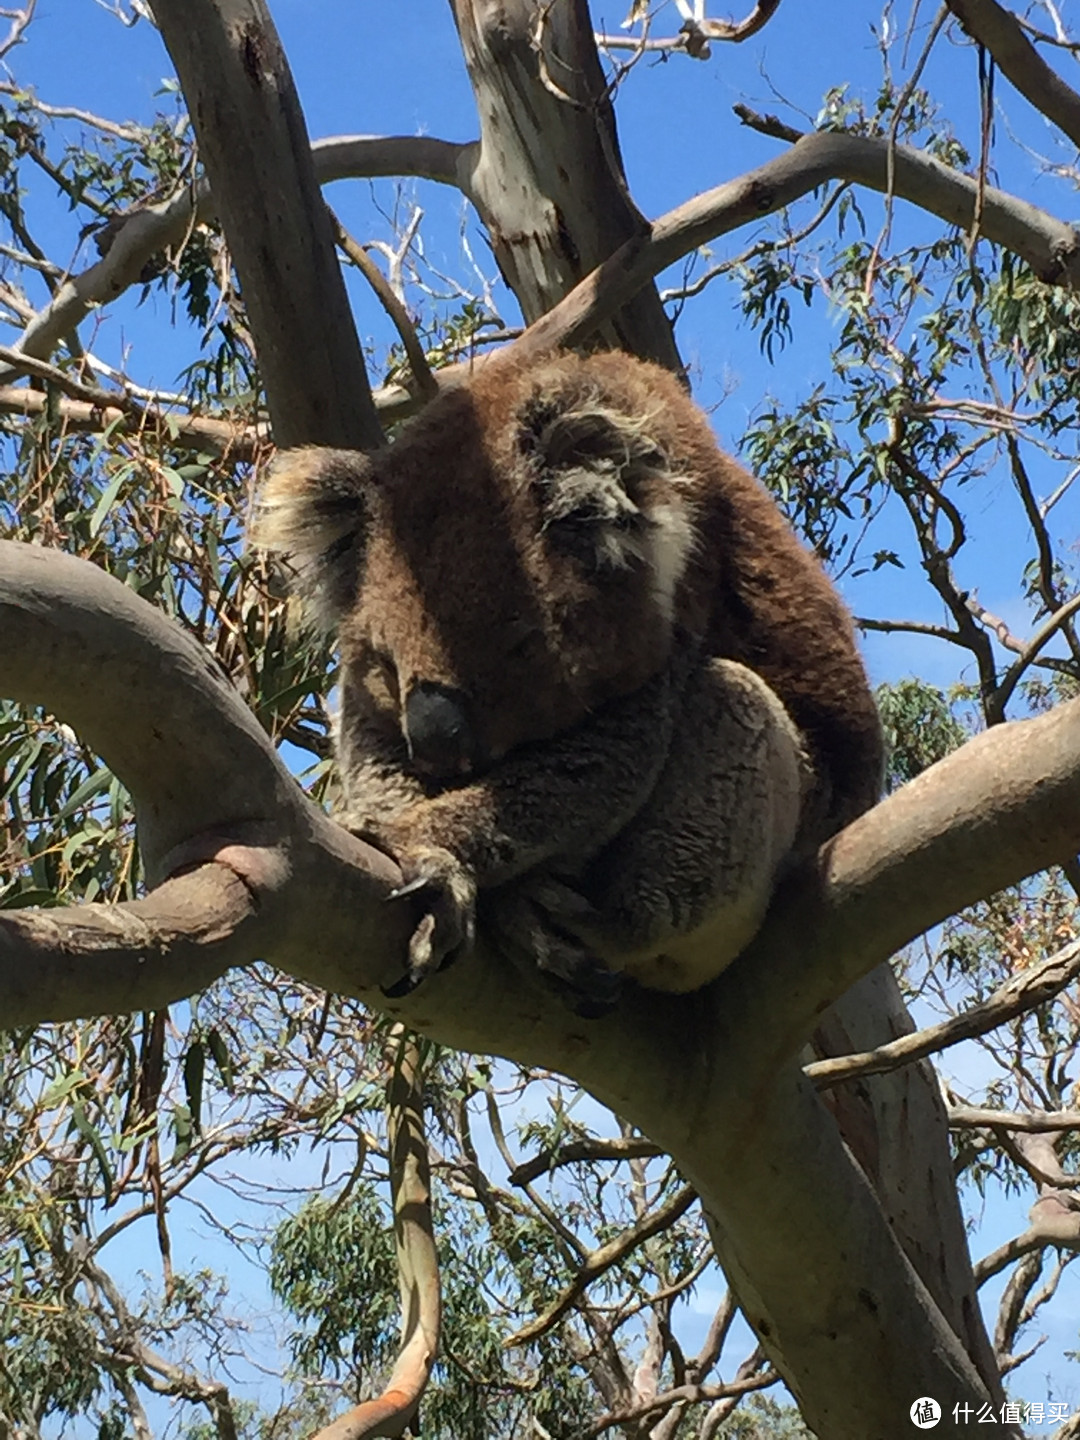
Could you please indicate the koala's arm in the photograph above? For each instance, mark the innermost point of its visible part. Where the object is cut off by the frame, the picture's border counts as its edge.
(562, 799)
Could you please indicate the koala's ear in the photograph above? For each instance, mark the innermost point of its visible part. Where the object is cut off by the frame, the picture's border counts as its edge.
(597, 471)
(315, 509)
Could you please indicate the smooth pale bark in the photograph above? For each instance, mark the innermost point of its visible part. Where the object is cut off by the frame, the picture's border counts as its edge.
(998, 29)
(796, 1223)
(254, 145)
(548, 178)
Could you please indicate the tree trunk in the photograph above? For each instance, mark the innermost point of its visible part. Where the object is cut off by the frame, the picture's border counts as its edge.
(548, 180)
(860, 1316)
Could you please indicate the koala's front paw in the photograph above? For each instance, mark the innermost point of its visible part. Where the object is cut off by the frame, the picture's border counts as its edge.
(448, 892)
(549, 922)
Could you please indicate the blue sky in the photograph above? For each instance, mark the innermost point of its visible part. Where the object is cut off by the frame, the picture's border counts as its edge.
(363, 67)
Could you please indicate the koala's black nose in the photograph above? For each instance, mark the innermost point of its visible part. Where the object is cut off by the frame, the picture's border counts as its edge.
(438, 731)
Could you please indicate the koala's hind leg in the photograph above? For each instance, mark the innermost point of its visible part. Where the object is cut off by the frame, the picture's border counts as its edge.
(685, 887)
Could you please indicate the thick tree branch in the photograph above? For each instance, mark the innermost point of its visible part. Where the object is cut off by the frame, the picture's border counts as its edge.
(1016, 57)
(1003, 806)
(141, 693)
(115, 959)
(548, 181)
(208, 785)
(1050, 247)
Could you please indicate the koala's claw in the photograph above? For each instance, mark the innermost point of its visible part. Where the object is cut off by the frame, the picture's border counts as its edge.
(547, 924)
(448, 928)
(412, 888)
(585, 983)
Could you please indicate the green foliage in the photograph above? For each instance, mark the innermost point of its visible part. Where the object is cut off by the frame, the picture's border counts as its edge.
(920, 728)
(762, 1418)
(332, 1265)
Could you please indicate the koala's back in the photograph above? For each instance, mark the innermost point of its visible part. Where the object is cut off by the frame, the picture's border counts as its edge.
(752, 592)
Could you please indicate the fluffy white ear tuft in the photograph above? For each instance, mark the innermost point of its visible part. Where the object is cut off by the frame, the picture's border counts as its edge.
(314, 509)
(608, 491)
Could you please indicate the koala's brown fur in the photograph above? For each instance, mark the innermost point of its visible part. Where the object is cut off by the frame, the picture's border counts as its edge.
(557, 601)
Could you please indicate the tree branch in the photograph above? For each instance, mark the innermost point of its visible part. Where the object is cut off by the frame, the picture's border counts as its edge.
(599, 1261)
(254, 145)
(1050, 247)
(1003, 806)
(112, 959)
(617, 1148)
(999, 31)
(1019, 994)
(127, 416)
(418, 1265)
(971, 1117)
(208, 785)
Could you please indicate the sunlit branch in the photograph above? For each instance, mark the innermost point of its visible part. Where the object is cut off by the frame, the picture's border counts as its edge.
(1050, 246)
(1021, 993)
(418, 1266)
(426, 385)
(973, 1117)
(218, 437)
(1016, 57)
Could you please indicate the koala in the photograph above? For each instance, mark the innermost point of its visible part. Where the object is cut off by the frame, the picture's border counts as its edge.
(594, 692)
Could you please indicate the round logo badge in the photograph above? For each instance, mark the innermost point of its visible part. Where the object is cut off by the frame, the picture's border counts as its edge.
(925, 1413)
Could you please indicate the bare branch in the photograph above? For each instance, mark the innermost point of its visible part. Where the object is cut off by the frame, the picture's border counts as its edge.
(426, 385)
(20, 19)
(680, 1395)
(909, 627)
(1046, 631)
(1058, 1227)
(617, 1148)
(1051, 247)
(132, 133)
(253, 143)
(208, 785)
(1016, 57)
(1019, 994)
(219, 437)
(601, 1260)
(971, 1117)
(696, 32)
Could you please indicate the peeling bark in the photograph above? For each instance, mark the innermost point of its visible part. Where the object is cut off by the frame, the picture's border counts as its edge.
(548, 178)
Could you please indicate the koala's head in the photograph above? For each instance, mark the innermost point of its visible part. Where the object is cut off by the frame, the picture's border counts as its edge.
(509, 564)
